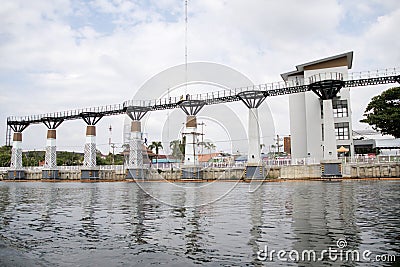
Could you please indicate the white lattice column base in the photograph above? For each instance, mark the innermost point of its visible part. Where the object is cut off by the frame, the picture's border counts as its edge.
(16, 171)
(50, 160)
(191, 159)
(135, 164)
(89, 170)
(89, 160)
(135, 152)
(50, 170)
(16, 156)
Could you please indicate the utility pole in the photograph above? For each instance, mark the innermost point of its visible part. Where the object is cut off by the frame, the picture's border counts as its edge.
(202, 136)
(278, 141)
(109, 139)
(113, 147)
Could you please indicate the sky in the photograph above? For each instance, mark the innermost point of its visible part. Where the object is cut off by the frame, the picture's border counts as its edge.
(67, 54)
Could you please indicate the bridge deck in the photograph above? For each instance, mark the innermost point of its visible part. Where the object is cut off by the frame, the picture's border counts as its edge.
(229, 95)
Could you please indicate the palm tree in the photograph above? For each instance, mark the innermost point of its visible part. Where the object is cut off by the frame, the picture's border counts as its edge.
(210, 146)
(155, 145)
(175, 145)
(261, 146)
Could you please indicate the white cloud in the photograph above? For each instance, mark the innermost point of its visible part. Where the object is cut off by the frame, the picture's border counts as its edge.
(57, 55)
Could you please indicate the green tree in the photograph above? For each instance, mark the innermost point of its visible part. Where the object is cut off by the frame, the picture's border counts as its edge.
(383, 112)
(69, 158)
(175, 145)
(156, 145)
(5, 156)
(32, 158)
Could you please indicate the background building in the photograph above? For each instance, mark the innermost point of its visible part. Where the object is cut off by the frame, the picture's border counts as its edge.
(287, 147)
(306, 118)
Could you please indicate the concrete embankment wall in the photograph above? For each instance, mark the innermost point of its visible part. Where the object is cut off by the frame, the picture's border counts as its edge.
(379, 170)
(209, 174)
(382, 170)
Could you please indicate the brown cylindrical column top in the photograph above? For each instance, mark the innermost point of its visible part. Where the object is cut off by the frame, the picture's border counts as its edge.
(91, 130)
(17, 137)
(136, 126)
(51, 134)
(191, 121)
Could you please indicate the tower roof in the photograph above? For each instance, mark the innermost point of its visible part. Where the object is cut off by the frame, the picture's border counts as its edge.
(345, 59)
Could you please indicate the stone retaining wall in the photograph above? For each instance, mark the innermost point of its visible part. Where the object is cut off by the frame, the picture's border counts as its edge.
(387, 170)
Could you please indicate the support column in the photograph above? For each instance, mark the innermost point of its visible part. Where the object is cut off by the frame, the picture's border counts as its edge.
(89, 169)
(329, 144)
(135, 162)
(50, 170)
(191, 158)
(254, 150)
(327, 89)
(255, 168)
(136, 168)
(191, 168)
(16, 171)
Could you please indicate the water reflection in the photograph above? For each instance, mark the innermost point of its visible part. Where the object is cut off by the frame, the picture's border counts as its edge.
(108, 224)
(5, 202)
(257, 199)
(139, 220)
(89, 229)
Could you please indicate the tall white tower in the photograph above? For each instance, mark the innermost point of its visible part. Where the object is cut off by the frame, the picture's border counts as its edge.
(321, 123)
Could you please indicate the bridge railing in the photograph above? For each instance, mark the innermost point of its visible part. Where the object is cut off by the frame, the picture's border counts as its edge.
(68, 114)
(373, 73)
(275, 88)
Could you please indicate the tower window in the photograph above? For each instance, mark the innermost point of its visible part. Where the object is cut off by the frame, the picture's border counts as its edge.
(342, 131)
(340, 108)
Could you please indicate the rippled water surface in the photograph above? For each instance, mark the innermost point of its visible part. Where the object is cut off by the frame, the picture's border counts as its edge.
(222, 224)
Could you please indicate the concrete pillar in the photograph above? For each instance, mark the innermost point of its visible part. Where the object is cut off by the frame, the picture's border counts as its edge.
(50, 161)
(16, 171)
(329, 144)
(89, 160)
(191, 157)
(135, 146)
(254, 150)
(16, 152)
(136, 169)
(50, 170)
(89, 169)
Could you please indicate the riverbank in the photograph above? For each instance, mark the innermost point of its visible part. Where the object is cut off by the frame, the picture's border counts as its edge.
(272, 173)
(209, 181)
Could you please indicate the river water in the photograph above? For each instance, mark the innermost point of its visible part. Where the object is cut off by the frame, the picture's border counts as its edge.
(187, 224)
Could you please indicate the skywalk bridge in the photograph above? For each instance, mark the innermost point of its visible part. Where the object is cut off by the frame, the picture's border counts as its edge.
(355, 79)
(324, 85)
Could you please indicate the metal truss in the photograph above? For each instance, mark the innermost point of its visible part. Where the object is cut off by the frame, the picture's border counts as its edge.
(326, 89)
(191, 107)
(136, 113)
(195, 102)
(253, 99)
(52, 123)
(91, 118)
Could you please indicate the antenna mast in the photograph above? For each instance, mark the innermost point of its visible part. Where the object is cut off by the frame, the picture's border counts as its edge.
(186, 49)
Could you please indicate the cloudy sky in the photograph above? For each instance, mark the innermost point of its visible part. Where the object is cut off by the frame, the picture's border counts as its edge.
(66, 54)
